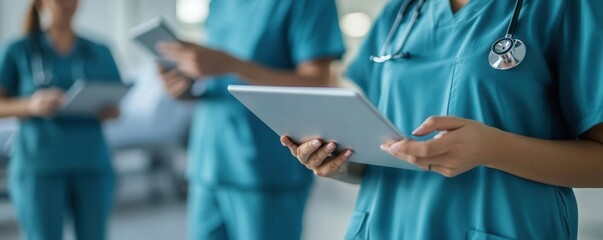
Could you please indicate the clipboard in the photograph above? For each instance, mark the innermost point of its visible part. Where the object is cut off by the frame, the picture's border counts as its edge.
(88, 98)
(334, 114)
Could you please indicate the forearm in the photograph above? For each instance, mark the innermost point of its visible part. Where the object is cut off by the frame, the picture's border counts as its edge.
(260, 75)
(14, 107)
(572, 163)
(353, 174)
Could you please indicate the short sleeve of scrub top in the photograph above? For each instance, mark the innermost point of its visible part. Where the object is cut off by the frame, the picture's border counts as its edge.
(8, 71)
(361, 70)
(580, 65)
(556, 93)
(308, 31)
(278, 34)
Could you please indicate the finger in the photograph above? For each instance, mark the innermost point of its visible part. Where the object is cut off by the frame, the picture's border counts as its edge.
(47, 110)
(47, 103)
(50, 105)
(56, 96)
(53, 99)
(424, 167)
(334, 165)
(161, 69)
(175, 52)
(319, 156)
(444, 160)
(447, 172)
(57, 100)
(433, 168)
(171, 77)
(422, 149)
(305, 150)
(178, 88)
(55, 91)
(55, 105)
(287, 142)
(439, 124)
(387, 149)
(180, 83)
(188, 65)
(164, 47)
(175, 79)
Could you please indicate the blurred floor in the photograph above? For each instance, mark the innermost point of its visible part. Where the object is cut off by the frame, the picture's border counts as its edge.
(330, 206)
(135, 217)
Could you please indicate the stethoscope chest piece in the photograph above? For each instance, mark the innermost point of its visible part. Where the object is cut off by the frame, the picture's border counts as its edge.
(506, 53)
(43, 78)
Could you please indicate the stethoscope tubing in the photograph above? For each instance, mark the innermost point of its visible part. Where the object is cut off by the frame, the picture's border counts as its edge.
(497, 59)
(42, 73)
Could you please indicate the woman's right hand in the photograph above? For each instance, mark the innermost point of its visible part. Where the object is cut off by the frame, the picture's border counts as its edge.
(317, 156)
(45, 102)
(175, 83)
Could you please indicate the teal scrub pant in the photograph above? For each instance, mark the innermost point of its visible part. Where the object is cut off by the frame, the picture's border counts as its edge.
(42, 200)
(231, 213)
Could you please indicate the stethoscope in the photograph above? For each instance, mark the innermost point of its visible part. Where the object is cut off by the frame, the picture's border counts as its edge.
(505, 53)
(42, 73)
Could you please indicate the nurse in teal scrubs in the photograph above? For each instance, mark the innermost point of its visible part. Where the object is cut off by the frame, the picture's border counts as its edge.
(60, 167)
(501, 150)
(243, 184)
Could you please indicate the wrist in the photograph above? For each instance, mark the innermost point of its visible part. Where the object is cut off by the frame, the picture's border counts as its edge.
(499, 150)
(241, 68)
(26, 107)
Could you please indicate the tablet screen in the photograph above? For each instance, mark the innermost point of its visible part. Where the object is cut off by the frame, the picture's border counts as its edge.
(150, 33)
(340, 115)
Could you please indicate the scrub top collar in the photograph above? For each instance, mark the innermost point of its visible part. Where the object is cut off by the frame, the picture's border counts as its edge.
(47, 45)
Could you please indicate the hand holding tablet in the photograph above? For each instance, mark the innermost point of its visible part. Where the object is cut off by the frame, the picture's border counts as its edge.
(89, 99)
(150, 34)
(335, 115)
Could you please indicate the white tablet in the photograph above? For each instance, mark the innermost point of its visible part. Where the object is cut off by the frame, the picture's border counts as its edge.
(152, 32)
(333, 114)
(87, 99)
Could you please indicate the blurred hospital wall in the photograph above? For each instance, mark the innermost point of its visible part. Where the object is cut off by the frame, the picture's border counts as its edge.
(331, 202)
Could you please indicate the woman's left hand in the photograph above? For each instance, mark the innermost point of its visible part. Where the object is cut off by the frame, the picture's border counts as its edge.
(460, 145)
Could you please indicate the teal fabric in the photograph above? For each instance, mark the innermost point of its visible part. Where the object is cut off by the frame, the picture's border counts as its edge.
(59, 165)
(229, 145)
(556, 93)
(42, 202)
(220, 213)
(60, 143)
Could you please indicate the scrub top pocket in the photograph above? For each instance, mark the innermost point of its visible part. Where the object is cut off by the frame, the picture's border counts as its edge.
(473, 234)
(358, 229)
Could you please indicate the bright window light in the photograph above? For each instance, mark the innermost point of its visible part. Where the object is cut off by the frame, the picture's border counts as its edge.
(356, 24)
(192, 11)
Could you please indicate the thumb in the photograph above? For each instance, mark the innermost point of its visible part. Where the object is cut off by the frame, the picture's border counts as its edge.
(443, 123)
(55, 91)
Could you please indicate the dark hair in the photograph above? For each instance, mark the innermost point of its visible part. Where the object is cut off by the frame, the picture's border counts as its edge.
(32, 23)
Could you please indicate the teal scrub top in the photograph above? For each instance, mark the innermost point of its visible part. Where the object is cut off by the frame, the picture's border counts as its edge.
(555, 93)
(58, 143)
(228, 144)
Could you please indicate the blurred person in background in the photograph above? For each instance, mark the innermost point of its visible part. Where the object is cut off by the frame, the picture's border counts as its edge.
(503, 149)
(243, 185)
(60, 164)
